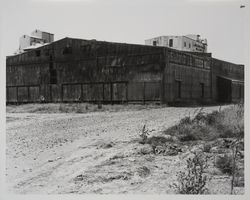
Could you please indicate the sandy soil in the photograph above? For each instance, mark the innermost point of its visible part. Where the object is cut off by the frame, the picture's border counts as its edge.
(97, 152)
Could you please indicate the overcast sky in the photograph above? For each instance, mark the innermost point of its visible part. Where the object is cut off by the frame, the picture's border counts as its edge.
(222, 22)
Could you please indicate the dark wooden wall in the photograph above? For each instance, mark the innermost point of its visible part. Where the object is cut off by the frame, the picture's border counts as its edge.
(90, 70)
(187, 77)
(227, 70)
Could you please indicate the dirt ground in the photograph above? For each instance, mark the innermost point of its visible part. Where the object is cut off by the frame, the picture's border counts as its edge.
(94, 152)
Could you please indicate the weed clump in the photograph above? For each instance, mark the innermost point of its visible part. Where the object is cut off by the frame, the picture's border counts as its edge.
(193, 180)
(228, 123)
(207, 148)
(225, 164)
(144, 134)
(158, 144)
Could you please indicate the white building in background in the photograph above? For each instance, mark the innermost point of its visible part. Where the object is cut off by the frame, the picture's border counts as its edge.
(47, 37)
(189, 42)
(36, 39)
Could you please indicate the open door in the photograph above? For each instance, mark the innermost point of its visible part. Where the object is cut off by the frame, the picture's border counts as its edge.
(224, 90)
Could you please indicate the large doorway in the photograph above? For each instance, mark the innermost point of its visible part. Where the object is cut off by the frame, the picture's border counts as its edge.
(224, 90)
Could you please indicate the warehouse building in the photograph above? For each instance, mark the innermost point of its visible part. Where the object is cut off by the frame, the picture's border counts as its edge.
(77, 70)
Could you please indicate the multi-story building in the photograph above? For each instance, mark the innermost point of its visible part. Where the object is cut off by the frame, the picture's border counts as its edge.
(189, 42)
(36, 39)
(47, 37)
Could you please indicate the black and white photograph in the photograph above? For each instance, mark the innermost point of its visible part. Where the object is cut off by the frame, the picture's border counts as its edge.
(123, 97)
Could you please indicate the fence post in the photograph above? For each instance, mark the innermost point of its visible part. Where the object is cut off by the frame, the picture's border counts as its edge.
(17, 94)
(61, 92)
(28, 90)
(103, 92)
(111, 93)
(39, 93)
(50, 92)
(127, 91)
(81, 92)
(144, 92)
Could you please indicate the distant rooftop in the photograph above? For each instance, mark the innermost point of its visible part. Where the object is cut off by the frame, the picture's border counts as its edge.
(36, 39)
(34, 46)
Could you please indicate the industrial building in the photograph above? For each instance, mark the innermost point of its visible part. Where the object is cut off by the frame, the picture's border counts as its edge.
(191, 42)
(36, 39)
(78, 70)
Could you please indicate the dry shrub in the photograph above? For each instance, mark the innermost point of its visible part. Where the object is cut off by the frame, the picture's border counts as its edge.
(225, 163)
(155, 143)
(186, 120)
(207, 148)
(193, 180)
(230, 122)
(157, 140)
(144, 134)
(195, 132)
(208, 119)
(218, 124)
(143, 171)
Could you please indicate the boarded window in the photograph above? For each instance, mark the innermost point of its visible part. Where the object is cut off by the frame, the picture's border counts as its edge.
(53, 76)
(185, 44)
(178, 88)
(171, 42)
(177, 74)
(85, 48)
(202, 90)
(38, 53)
(67, 50)
(46, 52)
(198, 62)
(53, 72)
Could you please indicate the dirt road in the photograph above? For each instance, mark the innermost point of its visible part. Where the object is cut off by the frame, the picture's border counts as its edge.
(90, 153)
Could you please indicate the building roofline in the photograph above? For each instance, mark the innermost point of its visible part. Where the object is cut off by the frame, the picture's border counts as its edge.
(47, 32)
(43, 31)
(193, 39)
(240, 65)
(90, 40)
(47, 44)
(31, 36)
(36, 37)
(197, 53)
(159, 47)
(231, 79)
(164, 36)
(174, 36)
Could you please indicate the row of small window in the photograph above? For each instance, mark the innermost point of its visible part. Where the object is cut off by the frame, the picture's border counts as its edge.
(188, 60)
(66, 50)
(38, 53)
(171, 43)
